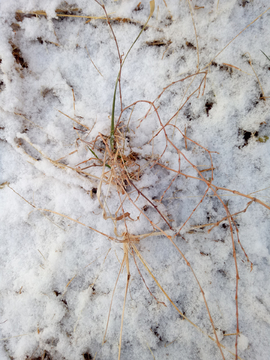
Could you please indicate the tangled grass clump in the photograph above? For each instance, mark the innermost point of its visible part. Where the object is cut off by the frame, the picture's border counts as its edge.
(120, 168)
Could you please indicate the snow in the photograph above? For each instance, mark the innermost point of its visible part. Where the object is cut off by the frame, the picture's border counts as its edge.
(57, 273)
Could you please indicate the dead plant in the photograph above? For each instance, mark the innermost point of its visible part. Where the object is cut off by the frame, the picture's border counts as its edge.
(122, 169)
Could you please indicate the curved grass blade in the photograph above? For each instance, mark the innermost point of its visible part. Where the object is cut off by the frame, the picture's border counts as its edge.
(265, 55)
(95, 155)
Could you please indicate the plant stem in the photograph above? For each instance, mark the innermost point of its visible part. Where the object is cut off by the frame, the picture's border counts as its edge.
(152, 8)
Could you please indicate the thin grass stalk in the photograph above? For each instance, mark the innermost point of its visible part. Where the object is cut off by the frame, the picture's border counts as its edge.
(125, 298)
(265, 55)
(152, 8)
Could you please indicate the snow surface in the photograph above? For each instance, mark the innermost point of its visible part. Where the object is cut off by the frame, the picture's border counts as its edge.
(45, 315)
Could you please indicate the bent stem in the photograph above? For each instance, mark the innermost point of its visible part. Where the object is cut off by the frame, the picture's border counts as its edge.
(173, 304)
(152, 8)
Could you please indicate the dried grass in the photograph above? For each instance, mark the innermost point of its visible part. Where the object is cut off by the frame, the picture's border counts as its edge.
(122, 173)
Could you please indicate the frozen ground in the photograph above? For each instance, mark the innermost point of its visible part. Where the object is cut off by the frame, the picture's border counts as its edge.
(58, 276)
